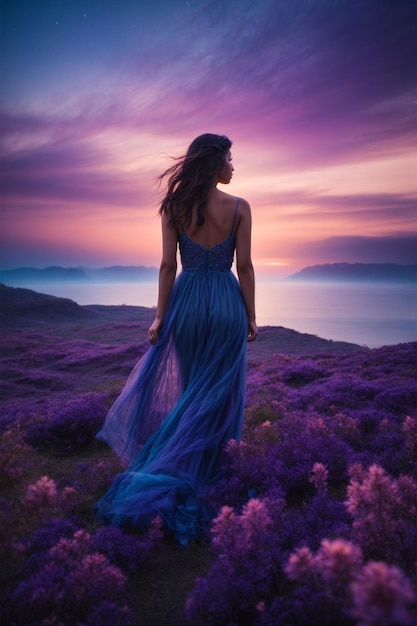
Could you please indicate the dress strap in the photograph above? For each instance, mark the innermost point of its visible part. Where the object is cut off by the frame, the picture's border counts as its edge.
(234, 216)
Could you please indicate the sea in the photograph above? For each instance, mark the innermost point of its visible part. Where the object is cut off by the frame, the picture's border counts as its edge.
(367, 314)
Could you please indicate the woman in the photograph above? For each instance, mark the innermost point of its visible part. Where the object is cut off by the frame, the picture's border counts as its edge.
(185, 398)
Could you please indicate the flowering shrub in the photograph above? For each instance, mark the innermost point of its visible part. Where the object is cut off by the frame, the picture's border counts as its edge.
(39, 502)
(409, 428)
(43, 539)
(69, 586)
(41, 494)
(333, 568)
(382, 595)
(71, 428)
(384, 515)
(280, 457)
(64, 565)
(373, 593)
(126, 551)
(72, 575)
(319, 476)
(241, 575)
(250, 583)
(302, 373)
(12, 453)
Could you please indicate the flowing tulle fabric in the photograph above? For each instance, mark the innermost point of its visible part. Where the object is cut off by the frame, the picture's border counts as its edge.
(183, 400)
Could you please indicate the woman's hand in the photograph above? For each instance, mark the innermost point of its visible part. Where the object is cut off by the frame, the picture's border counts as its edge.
(153, 332)
(253, 331)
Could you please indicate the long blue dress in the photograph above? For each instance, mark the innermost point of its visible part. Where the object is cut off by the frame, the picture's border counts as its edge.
(183, 400)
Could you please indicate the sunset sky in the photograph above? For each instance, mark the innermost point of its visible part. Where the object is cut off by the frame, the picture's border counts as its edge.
(317, 96)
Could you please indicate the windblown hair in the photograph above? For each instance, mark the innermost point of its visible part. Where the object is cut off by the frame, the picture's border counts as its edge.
(191, 178)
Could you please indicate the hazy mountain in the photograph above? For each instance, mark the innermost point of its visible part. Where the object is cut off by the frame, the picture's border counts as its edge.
(124, 272)
(353, 272)
(48, 274)
(77, 274)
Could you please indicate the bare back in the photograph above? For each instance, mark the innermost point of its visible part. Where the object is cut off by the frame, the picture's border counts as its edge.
(219, 220)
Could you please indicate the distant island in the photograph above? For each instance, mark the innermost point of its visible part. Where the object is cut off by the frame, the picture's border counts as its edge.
(358, 272)
(56, 274)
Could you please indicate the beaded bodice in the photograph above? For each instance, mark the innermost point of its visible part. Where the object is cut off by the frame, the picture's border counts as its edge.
(197, 258)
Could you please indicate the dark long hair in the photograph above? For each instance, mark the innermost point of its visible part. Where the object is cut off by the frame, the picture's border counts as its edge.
(191, 177)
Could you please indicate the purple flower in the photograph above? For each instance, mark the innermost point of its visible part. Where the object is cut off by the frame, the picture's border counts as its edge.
(383, 511)
(41, 495)
(68, 585)
(127, 551)
(301, 565)
(319, 476)
(74, 426)
(338, 560)
(382, 595)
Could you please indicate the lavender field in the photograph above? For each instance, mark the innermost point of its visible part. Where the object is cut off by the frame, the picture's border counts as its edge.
(316, 511)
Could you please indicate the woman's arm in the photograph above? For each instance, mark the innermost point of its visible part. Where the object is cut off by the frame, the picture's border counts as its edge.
(167, 273)
(244, 266)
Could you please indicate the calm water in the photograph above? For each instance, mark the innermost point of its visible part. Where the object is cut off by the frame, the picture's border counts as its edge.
(367, 314)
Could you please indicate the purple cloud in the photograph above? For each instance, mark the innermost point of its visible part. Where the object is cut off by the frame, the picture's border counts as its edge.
(392, 249)
(67, 173)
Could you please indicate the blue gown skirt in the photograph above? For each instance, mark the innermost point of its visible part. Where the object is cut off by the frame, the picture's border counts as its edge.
(181, 404)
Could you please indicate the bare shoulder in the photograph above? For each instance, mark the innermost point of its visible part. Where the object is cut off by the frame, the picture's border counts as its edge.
(244, 212)
(229, 200)
(244, 205)
(225, 198)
